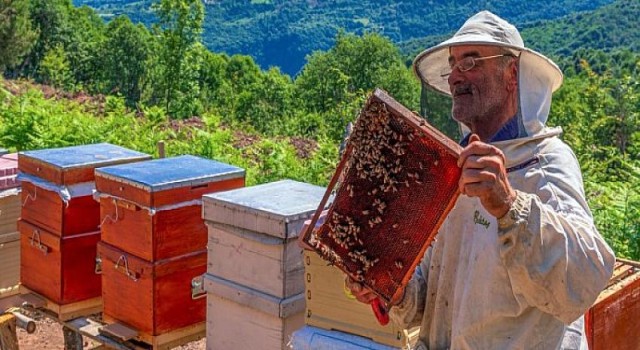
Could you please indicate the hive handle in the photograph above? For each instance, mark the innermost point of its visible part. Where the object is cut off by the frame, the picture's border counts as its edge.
(38, 244)
(134, 276)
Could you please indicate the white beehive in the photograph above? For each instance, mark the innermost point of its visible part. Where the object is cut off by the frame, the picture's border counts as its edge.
(253, 231)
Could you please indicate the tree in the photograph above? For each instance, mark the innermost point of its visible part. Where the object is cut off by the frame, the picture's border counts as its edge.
(124, 57)
(180, 30)
(55, 70)
(16, 34)
(333, 82)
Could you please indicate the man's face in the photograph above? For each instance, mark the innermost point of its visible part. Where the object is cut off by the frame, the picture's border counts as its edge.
(481, 93)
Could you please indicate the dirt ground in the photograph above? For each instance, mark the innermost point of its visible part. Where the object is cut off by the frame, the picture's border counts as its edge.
(48, 336)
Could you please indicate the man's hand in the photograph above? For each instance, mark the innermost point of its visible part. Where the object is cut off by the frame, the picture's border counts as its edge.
(359, 291)
(484, 176)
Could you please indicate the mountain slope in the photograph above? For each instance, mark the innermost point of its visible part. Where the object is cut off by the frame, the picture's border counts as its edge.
(282, 32)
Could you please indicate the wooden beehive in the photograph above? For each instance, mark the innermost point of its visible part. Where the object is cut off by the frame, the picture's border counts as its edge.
(57, 185)
(252, 235)
(61, 269)
(9, 264)
(153, 209)
(328, 307)
(152, 297)
(612, 322)
(243, 318)
(9, 211)
(9, 195)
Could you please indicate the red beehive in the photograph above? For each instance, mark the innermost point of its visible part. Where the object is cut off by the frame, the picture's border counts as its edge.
(612, 322)
(57, 185)
(59, 268)
(153, 209)
(152, 297)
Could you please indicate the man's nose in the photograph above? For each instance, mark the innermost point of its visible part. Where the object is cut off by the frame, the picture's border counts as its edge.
(456, 77)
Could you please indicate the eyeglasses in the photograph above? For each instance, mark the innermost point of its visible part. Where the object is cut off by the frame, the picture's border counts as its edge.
(467, 64)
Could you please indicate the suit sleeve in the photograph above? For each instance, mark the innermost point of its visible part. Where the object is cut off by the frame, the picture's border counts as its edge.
(555, 257)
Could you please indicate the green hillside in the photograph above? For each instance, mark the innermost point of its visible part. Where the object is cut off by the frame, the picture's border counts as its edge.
(282, 32)
(614, 26)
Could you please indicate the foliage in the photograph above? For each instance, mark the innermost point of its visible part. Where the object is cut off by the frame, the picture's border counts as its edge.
(599, 113)
(16, 34)
(179, 29)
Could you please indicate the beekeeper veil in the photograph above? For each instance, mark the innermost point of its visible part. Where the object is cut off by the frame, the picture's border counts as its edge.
(538, 76)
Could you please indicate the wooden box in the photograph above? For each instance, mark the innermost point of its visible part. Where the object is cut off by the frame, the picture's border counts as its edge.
(153, 209)
(243, 318)
(613, 321)
(61, 269)
(9, 211)
(9, 264)
(76, 164)
(153, 298)
(57, 185)
(329, 308)
(252, 235)
(313, 338)
(8, 171)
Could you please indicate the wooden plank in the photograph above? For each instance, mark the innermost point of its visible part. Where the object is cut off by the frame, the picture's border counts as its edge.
(163, 341)
(119, 331)
(62, 312)
(91, 328)
(8, 336)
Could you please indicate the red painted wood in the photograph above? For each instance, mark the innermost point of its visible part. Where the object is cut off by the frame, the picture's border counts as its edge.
(47, 210)
(153, 298)
(145, 198)
(60, 268)
(166, 234)
(612, 323)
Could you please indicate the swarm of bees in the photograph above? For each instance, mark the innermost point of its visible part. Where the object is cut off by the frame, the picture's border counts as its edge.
(374, 230)
(379, 145)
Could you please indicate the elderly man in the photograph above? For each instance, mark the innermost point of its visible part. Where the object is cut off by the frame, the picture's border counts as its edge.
(518, 259)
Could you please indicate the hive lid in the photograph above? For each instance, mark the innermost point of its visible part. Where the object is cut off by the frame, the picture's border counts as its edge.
(277, 208)
(95, 155)
(166, 173)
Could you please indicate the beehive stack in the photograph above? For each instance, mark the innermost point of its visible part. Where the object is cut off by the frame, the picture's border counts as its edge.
(612, 323)
(154, 240)
(59, 220)
(255, 271)
(9, 215)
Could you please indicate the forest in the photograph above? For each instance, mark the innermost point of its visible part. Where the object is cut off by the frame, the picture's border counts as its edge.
(282, 33)
(70, 77)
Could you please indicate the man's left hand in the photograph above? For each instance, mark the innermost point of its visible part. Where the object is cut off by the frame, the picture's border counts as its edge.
(484, 176)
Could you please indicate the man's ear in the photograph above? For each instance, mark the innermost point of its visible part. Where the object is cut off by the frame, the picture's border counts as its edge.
(512, 75)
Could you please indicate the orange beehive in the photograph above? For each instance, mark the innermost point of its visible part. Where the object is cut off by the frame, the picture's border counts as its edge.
(612, 322)
(152, 297)
(59, 268)
(153, 209)
(57, 185)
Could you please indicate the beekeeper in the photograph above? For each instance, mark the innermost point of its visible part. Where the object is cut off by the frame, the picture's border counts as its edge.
(518, 260)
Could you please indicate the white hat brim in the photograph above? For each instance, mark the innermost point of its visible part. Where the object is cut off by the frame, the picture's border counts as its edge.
(430, 63)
